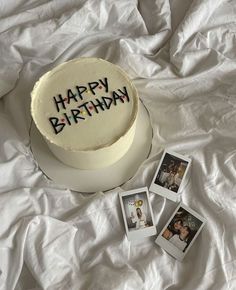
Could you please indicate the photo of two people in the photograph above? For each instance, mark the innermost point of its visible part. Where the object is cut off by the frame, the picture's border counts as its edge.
(182, 229)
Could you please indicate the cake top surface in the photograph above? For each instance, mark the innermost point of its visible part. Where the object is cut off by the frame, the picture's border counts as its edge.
(84, 104)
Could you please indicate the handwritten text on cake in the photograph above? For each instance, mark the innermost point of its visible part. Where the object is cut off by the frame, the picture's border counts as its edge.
(87, 107)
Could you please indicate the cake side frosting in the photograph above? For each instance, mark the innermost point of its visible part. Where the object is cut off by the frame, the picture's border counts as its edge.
(84, 105)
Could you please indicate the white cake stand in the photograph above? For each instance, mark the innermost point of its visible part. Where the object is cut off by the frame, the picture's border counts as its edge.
(90, 181)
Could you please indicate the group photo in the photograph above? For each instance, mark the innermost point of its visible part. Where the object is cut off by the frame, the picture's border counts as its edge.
(171, 172)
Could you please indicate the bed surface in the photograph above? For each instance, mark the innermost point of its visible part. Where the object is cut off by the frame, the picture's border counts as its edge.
(181, 55)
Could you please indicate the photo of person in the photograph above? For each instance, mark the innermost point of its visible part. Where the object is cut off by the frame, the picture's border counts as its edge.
(182, 229)
(171, 172)
(173, 229)
(137, 211)
(140, 218)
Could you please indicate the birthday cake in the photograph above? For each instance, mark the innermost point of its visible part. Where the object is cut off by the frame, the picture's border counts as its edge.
(86, 110)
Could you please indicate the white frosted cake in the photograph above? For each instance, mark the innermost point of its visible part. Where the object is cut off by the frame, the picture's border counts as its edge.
(86, 110)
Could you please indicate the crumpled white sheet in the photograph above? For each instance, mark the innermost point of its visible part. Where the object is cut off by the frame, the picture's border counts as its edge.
(181, 55)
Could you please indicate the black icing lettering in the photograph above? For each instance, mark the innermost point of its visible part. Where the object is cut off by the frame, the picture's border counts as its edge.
(84, 106)
(59, 101)
(99, 104)
(107, 102)
(67, 118)
(81, 90)
(57, 126)
(92, 87)
(124, 92)
(116, 97)
(70, 96)
(75, 113)
(105, 84)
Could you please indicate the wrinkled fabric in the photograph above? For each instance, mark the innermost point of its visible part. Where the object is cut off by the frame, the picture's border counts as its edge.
(181, 55)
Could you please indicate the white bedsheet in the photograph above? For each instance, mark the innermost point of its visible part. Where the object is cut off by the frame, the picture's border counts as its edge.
(181, 55)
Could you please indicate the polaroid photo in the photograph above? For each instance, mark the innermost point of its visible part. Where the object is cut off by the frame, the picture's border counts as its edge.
(180, 232)
(170, 175)
(137, 213)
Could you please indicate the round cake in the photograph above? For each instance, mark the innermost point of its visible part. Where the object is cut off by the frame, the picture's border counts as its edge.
(86, 110)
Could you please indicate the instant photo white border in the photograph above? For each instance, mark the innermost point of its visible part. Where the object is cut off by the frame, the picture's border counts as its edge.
(168, 246)
(162, 190)
(142, 233)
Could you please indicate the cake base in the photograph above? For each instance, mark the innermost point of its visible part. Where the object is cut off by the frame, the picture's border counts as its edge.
(103, 179)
